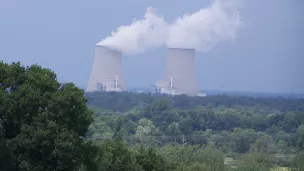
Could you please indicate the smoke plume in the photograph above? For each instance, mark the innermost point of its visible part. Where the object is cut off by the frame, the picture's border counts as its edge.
(201, 30)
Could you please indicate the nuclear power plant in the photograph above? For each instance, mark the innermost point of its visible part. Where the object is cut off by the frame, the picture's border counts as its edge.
(106, 74)
(180, 74)
(197, 31)
(179, 77)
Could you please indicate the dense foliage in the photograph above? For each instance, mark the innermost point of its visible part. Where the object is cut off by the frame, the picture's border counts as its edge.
(45, 125)
(242, 128)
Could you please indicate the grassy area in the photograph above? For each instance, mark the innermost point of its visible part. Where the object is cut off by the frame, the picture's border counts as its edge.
(281, 169)
(232, 163)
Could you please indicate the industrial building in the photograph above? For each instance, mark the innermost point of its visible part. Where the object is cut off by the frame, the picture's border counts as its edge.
(106, 74)
(180, 74)
(165, 87)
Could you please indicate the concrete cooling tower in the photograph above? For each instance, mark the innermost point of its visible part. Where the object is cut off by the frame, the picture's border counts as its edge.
(180, 73)
(106, 74)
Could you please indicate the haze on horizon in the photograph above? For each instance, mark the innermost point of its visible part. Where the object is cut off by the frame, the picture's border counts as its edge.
(265, 56)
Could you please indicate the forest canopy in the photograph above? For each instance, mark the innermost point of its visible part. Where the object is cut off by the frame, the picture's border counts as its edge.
(47, 125)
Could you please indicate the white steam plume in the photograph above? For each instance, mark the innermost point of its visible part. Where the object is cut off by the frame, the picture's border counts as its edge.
(140, 35)
(201, 30)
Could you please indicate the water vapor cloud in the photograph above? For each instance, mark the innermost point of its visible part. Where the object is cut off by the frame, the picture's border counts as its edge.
(201, 30)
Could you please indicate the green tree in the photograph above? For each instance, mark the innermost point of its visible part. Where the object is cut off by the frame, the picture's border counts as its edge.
(129, 128)
(265, 144)
(186, 156)
(243, 139)
(158, 106)
(151, 161)
(300, 141)
(281, 147)
(173, 131)
(118, 134)
(43, 122)
(6, 158)
(146, 132)
(100, 130)
(298, 162)
(255, 162)
(186, 125)
(115, 156)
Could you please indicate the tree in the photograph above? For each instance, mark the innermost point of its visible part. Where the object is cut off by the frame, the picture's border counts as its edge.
(145, 132)
(243, 139)
(6, 161)
(101, 130)
(300, 141)
(281, 147)
(130, 127)
(151, 161)
(255, 162)
(185, 156)
(118, 129)
(297, 163)
(43, 122)
(115, 156)
(265, 144)
(173, 131)
(158, 106)
(186, 125)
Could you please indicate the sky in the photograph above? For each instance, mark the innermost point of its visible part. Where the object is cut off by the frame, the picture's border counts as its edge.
(266, 56)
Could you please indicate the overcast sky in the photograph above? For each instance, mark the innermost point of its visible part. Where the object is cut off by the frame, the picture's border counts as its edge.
(267, 55)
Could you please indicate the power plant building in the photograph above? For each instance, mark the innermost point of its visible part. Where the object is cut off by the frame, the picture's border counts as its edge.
(165, 87)
(106, 74)
(180, 73)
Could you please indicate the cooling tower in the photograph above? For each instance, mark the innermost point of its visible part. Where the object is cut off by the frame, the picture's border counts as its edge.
(107, 69)
(180, 67)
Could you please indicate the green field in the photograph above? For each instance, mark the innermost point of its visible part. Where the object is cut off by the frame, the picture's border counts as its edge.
(232, 163)
(281, 169)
